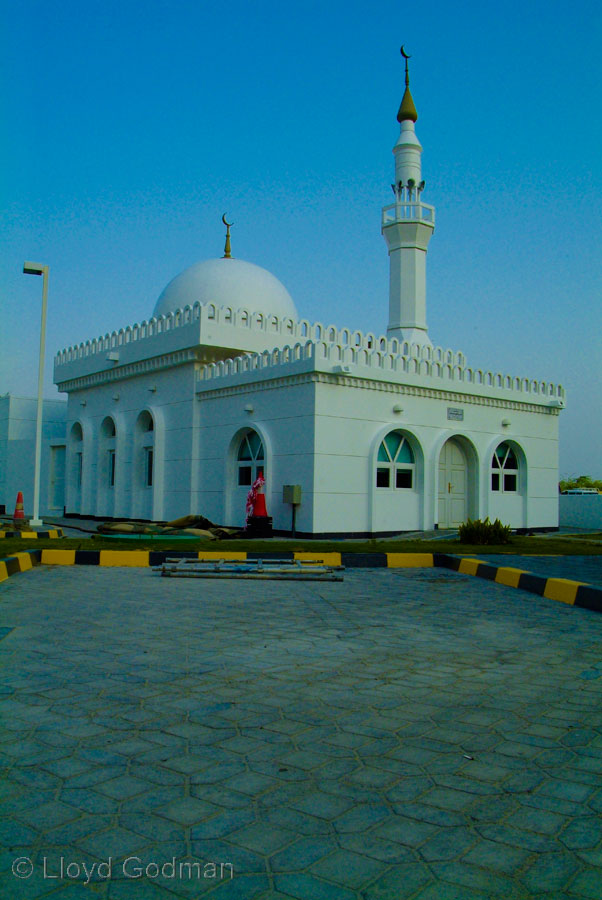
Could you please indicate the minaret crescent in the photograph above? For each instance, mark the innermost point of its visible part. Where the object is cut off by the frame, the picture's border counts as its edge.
(227, 247)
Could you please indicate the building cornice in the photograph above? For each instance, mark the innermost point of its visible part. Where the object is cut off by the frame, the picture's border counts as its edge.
(143, 367)
(387, 387)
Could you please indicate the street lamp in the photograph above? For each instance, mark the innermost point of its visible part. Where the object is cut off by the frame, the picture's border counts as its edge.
(30, 268)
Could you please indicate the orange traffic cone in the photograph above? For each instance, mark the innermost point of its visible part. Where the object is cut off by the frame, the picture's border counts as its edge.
(259, 509)
(19, 521)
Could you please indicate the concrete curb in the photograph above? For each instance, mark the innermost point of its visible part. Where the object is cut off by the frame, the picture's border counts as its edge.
(573, 593)
(20, 562)
(32, 535)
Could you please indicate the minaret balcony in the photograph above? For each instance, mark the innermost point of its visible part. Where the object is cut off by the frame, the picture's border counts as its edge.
(409, 211)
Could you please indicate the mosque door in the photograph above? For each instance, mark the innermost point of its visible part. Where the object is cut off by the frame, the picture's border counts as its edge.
(452, 485)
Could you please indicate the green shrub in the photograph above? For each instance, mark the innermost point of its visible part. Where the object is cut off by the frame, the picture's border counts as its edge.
(477, 532)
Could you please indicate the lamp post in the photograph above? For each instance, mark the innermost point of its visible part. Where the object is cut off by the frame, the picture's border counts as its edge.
(30, 268)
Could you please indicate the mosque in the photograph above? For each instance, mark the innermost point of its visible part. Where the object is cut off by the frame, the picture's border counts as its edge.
(381, 433)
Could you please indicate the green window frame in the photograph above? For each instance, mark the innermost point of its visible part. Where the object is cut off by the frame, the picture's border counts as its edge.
(250, 459)
(504, 470)
(395, 463)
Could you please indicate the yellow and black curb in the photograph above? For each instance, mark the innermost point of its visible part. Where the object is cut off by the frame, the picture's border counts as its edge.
(574, 593)
(32, 535)
(20, 562)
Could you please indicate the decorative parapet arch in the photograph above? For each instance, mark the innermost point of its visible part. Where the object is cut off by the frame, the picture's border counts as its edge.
(338, 346)
(130, 334)
(257, 322)
(341, 357)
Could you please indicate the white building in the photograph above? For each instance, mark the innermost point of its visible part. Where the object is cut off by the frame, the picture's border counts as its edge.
(17, 453)
(384, 433)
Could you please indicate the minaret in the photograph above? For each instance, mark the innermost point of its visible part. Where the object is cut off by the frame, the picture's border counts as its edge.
(407, 226)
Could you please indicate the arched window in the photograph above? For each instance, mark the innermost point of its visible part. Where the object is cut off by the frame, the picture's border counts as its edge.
(504, 470)
(108, 427)
(146, 427)
(107, 449)
(77, 438)
(250, 459)
(395, 463)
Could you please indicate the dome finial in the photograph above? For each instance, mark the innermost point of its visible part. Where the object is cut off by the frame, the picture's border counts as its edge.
(406, 56)
(407, 110)
(227, 248)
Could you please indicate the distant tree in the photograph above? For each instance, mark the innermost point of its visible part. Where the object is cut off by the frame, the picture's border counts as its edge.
(583, 481)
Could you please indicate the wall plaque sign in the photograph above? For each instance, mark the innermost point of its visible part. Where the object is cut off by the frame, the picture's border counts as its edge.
(455, 414)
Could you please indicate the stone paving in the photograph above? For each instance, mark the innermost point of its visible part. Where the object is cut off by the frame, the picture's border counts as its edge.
(403, 735)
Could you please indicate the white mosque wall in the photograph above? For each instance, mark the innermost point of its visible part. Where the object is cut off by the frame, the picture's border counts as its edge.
(321, 411)
(148, 417)
(324, 432)
(283, 419)
(351, 423)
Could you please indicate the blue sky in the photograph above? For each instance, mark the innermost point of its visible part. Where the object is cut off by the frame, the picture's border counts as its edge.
(132, 127)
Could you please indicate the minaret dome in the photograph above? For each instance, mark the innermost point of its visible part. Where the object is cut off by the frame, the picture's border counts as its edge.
(407, 110)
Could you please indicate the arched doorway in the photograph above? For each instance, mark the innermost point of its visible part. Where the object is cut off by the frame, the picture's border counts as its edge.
(397, 484)
(453, 484)
(508, 484)
(249, 459)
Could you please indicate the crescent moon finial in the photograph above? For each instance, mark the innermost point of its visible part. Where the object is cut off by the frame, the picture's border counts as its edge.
(406, 56)
(227, 248)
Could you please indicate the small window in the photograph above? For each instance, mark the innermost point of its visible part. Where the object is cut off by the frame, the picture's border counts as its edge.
(504, 470)
(244, 475)
(403, 478)
(145, 422)
(111, 468)
(509, 481)
(107, 429)
(395, 463)
(79, 468)
(383, 477)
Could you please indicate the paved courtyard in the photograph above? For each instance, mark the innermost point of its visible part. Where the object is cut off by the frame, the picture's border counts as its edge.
(405, 734)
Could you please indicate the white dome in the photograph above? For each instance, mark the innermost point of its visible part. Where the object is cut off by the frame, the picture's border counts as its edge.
(227, 282)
